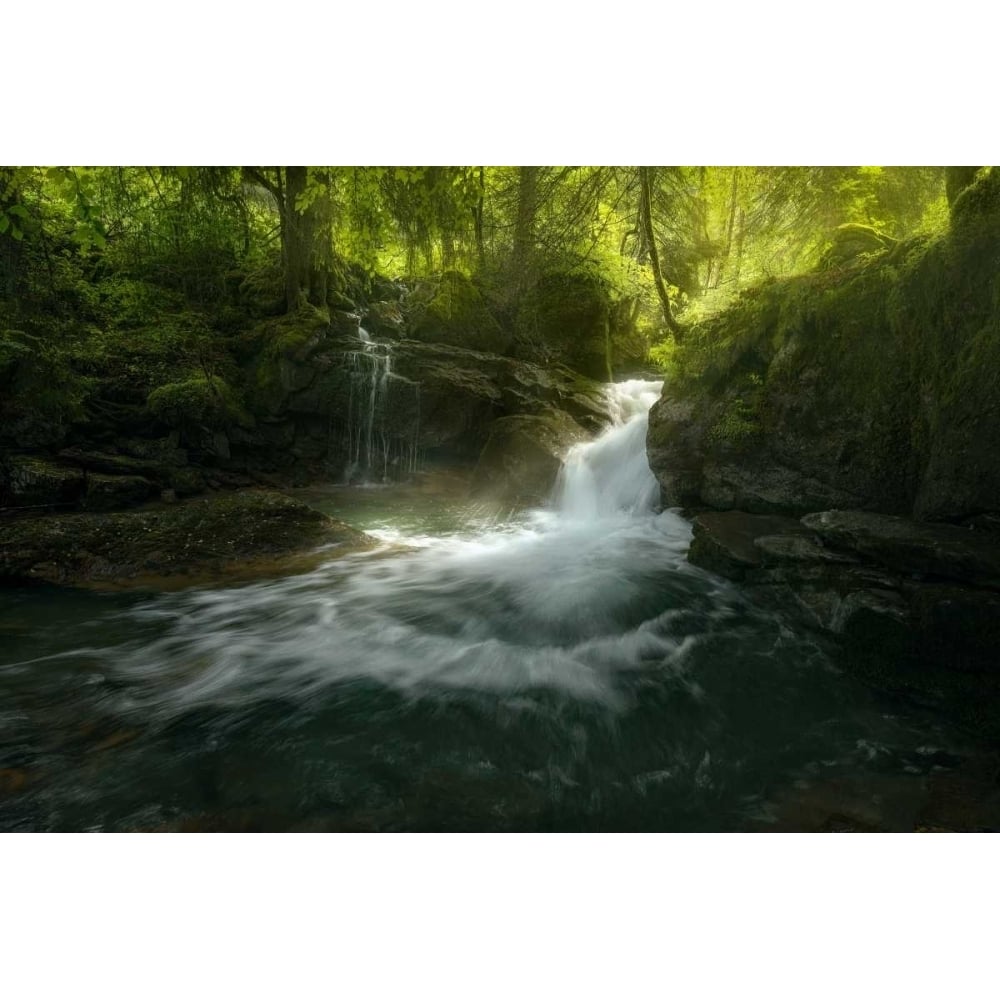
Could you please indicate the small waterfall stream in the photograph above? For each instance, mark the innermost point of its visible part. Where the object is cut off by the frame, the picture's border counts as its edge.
(375, 452)
(611, 475)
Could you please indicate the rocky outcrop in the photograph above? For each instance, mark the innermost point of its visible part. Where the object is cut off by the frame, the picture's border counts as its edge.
(913, 607)
(522, 457)
(32, 481)
(77, 479)
(453, 310)
(330, 396)
(230, 535)
(868, 385)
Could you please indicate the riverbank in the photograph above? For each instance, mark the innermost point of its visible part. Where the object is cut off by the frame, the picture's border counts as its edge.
(228, 537)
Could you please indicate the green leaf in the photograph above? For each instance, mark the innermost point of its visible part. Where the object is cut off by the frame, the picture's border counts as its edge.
(20, 211)
(4, 223)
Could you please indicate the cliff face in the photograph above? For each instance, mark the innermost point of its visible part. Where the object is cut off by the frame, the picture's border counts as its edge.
(873, 384)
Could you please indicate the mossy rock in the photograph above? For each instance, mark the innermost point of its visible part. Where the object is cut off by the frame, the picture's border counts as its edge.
(186, 482)
(198, 402)
(385, 319)
(114, 492)
(874, 386)
(567, 318)
(456, 313)
(282, 354)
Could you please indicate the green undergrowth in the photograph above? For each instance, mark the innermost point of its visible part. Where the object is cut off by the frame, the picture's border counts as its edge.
(904, 338)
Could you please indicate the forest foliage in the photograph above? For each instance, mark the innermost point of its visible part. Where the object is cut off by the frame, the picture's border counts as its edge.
(144, 269)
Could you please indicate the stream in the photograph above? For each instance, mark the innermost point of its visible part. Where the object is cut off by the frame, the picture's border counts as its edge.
(558, 669)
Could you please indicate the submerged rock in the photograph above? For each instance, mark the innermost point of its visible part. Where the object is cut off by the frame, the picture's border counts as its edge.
(220, 536)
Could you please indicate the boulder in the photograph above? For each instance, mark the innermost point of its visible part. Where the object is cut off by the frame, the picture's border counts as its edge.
(871, 387)
(725, 543)
(851, 241)
(384, 319)
(455, 313)
(523, 455)
(567, 317)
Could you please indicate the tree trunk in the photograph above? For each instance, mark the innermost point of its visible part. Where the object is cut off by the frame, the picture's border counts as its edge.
(477, 216)
(10, 249)
(738, 264)
(447, 251)
(646, 220)
(295, 238)
(524, 226)
(721, 266)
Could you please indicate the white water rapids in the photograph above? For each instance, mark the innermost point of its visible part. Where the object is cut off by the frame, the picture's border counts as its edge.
(567, 597)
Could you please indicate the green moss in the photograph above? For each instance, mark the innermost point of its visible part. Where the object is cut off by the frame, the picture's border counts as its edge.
(902, 347)
(199, 401)
(456, 312)
(271, 345)
(740, 420)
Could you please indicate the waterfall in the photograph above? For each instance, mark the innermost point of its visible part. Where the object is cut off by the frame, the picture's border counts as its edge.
(610, 475)
(376, 452)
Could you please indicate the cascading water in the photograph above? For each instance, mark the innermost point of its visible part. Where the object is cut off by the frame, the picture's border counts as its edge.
(566, 670)
(611, 475)
(375, 452)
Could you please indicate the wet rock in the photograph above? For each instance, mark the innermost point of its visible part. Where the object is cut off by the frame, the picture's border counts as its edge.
(229, 535)
(30, 481)
(523, 456)
(344, 323)
(725, 543)
(385, 319)
(434, 398)
(906, 546)
(114, 492)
